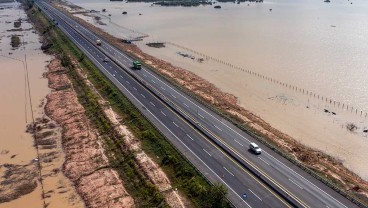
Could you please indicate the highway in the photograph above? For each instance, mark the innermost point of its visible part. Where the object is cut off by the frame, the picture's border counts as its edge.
(216, 147)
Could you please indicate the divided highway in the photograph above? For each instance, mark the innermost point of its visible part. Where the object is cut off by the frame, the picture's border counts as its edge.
(216, 147)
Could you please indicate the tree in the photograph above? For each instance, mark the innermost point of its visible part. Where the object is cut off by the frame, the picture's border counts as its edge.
(215, 197)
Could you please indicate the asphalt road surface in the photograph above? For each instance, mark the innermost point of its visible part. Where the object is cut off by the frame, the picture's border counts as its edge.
(217, 148)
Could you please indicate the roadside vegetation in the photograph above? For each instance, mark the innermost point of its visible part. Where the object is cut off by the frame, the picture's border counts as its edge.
(15, 41)
(323, 167)
(181, 173)
(18, 23)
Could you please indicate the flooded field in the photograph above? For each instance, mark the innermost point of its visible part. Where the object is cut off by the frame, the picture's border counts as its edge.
(315, 46)
(18, 156)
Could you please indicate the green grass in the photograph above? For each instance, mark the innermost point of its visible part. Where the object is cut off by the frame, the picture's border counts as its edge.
(15, 41)
(180, 172)
(18, 23)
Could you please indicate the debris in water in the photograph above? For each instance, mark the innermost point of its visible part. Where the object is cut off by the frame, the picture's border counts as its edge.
(156, 45)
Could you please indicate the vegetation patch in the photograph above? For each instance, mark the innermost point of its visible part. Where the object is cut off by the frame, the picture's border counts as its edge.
(156, 45)
(15, 41)
(181, 173)
(18, 180)
(18, 23)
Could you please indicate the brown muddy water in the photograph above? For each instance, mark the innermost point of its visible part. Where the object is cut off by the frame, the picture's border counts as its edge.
(316, 46)
(17, 146)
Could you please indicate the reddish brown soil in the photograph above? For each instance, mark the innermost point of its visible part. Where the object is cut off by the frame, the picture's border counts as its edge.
(145, 164)
(316, 160)
(85, 164)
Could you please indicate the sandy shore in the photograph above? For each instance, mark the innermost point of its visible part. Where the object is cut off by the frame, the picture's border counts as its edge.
(268, 99)
(300, 116)
(295, 114)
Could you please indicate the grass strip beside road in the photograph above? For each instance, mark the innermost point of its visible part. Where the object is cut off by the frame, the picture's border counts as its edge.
(180, 172)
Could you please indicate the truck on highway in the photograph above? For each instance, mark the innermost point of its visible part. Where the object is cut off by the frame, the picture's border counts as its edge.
(137, 65)
(98, 42)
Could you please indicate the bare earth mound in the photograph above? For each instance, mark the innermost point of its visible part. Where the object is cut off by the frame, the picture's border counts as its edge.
(85, 164)
(149, 168)
(316, 160)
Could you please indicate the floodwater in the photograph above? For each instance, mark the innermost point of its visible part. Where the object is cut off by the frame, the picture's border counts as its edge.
(16, 146)
(316, 46)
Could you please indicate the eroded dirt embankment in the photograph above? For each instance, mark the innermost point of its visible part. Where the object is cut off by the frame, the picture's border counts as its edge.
(147, 166)
(316, 160)
(85, 164)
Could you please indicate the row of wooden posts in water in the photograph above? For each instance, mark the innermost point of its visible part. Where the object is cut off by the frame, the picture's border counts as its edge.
(330, 101)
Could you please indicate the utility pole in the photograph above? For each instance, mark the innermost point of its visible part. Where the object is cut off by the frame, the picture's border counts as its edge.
(25, 84)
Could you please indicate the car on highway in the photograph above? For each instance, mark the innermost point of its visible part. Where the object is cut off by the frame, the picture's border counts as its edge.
(255, 148)
(137, 65)
(106, 59)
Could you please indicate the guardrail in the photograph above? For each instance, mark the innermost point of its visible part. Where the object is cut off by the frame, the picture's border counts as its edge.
(174, 147)
(193, 122)
(242, 127)
(260, 139)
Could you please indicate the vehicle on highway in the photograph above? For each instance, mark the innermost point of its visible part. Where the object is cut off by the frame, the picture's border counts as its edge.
(255, 148)
(137, 65)
(106, 59)
(98, 42)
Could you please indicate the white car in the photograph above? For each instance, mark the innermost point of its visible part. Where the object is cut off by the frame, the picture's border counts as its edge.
(106, 60)
(255, 148)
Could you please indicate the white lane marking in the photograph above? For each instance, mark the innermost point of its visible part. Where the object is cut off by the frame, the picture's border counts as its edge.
(145, 75)
(295, 183)
(152, 103)
(200, 115)
(228, 171)
(109, 66)
(173, 96)
(186, 105)
(98, 56)
(217, 127)
(115, 72)
(264, 161)
(190, 137)
(238, 142)
(183, 143)
(135, 88)
(255, 194)
(143, 96)
(121, 76)
(175, 124)
(173, 133)
(306, 180)
(207, 153)
(163, 113)
(127, 82)
(162, 88)
(153, 81)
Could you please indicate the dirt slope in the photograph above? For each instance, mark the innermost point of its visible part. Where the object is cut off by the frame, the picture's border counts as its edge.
(86, 164)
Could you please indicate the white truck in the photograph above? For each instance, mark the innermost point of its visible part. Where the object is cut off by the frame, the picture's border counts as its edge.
(98, 42)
